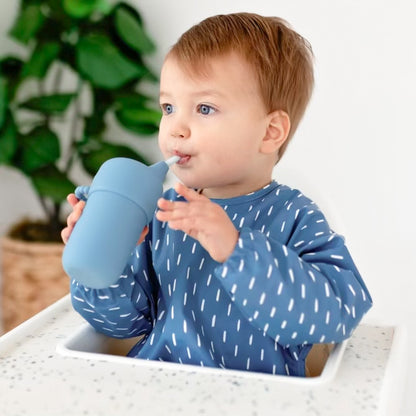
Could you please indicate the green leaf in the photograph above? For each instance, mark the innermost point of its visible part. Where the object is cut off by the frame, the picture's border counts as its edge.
(28, 23)
(3, 101)
(41, 59)
(8, 142)
(10, 67)
(49, 104)
(39, 148)
(141, 115)
(131, 99)
(94, 124)
(103, 64)
(130, 29)
(83, 8)
(93, 159)
(142, 121)
(51, 183)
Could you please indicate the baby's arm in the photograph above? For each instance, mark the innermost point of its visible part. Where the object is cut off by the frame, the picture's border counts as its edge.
(306, 291)
(123, 310)
(203, 220)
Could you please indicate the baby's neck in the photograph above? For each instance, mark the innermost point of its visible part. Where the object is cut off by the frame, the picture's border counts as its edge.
(226, 193)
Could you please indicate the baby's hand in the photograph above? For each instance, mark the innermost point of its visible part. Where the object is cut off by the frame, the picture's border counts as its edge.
(73, 217)
(203, 220)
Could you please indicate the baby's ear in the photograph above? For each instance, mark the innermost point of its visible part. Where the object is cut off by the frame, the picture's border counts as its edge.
(277, 131)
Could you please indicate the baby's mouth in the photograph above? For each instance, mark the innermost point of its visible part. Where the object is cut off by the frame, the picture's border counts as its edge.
(184, 158)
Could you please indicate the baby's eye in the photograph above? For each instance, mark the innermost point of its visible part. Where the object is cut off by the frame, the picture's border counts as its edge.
(205, 109)
(167, 108)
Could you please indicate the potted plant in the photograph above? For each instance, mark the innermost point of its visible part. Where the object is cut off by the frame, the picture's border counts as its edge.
(81, 72)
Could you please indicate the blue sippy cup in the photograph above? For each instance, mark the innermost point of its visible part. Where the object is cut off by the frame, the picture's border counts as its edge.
(120, 202)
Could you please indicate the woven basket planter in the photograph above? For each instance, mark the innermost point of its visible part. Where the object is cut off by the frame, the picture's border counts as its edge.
(32, 279)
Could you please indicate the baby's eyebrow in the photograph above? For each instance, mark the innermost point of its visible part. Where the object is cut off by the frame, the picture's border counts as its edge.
(202, 93)
(209, 92)
(163, 94)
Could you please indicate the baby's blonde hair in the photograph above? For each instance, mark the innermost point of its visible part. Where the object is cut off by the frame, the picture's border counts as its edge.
(281, 59)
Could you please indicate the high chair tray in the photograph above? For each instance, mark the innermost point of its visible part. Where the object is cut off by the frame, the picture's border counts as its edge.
(53, 364)
(88, 344)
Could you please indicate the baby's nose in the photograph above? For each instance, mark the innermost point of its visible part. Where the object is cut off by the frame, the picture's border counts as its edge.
(181, 132)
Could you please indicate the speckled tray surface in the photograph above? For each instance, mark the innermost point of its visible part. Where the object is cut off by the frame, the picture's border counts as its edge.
(37, 378)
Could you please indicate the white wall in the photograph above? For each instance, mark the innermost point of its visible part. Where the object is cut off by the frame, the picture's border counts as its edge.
(356, 144)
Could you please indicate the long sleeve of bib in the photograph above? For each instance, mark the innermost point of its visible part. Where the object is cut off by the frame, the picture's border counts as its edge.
(125, 309)
(304, 291)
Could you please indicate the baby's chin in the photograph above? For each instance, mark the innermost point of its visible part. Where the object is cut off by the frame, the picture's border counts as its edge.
(189, 183)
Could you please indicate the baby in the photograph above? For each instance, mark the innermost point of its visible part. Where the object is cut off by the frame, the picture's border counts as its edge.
(235, 270)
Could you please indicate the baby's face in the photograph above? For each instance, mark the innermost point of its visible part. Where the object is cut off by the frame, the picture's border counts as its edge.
(215, 121)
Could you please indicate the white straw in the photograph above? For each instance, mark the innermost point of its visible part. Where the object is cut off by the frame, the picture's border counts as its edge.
(172, 160)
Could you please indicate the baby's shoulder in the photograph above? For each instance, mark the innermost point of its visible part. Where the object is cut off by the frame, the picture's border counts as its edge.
(293, 198)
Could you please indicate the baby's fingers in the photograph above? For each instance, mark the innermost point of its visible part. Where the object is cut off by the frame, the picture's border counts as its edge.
(72, 199)
(75, 214)
(169, 210)
(188, 193)
(143, 235)
(65, 234)
(165, 204)
(72, 219)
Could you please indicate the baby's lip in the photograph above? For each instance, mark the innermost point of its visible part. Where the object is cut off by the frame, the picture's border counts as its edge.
(183, 157)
